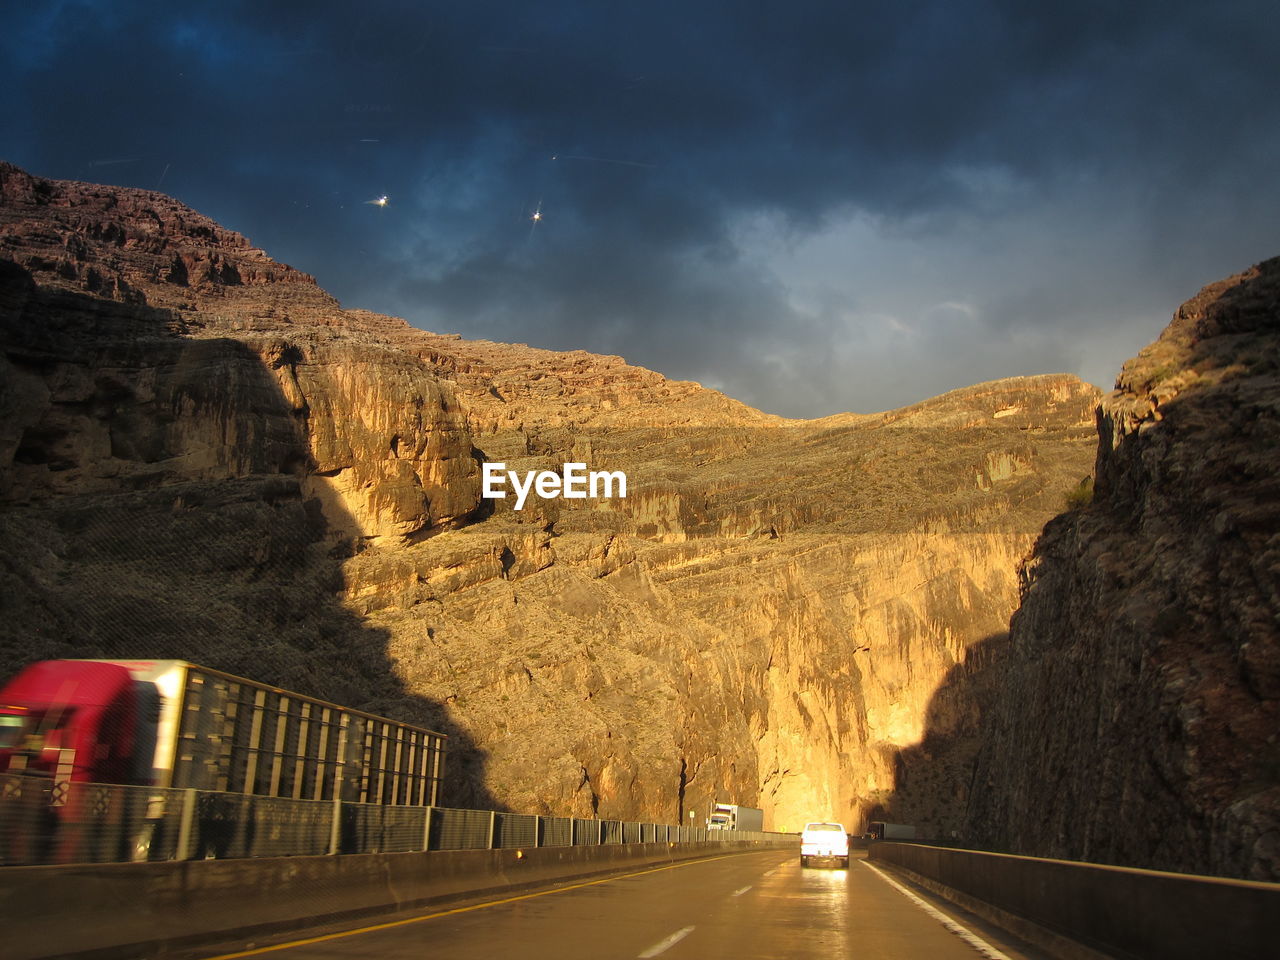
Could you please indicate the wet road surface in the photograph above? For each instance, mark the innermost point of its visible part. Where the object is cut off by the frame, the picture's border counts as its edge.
(758, 906)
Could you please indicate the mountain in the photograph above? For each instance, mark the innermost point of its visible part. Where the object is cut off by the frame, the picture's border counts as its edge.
(1134, 716)
(204, 456)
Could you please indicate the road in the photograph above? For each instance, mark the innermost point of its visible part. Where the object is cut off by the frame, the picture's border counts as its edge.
(756, 906)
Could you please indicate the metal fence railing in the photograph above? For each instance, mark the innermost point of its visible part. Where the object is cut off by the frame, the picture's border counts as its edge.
(516, 830)
(42, 823)
(461, 829)
(586, 833)
(556, 832)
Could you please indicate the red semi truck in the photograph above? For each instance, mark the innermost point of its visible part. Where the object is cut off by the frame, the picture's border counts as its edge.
(172, 724)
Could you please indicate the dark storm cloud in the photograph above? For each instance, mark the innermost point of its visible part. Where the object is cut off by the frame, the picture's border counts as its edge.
(813, 206)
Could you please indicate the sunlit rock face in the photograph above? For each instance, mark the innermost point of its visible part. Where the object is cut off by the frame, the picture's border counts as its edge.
(1135, 717)
(769, 611)
(204, 456)
(150, 345)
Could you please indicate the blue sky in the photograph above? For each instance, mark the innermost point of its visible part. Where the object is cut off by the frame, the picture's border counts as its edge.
(814, 207)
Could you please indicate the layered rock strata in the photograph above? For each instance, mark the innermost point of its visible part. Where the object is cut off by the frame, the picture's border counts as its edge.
(204, 456)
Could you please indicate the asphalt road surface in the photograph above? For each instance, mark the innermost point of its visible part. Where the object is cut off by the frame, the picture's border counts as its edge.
(757, 906)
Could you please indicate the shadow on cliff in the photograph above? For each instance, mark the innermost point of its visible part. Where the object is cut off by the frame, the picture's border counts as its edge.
(157, 504)
(935, 780)
(1068, 736)
(1129, 716)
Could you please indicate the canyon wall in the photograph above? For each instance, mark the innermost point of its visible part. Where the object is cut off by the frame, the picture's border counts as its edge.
(1134, 715)
(205, 456)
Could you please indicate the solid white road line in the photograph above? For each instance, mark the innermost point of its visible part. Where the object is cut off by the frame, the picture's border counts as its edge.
(738, 893)
(964, 933)
(666, 944)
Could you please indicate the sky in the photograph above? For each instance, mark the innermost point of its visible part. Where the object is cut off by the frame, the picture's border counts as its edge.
(814, 207)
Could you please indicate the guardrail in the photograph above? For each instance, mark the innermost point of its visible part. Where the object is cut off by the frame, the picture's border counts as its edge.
(1064, 905)
(113, 823)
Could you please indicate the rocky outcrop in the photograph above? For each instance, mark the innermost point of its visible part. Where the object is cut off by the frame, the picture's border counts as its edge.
(766, 616)
(204, 456)
(1134, 717)
(147, 374)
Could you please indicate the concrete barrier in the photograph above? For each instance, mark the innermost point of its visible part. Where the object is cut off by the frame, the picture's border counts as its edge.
(130, 910)
(1116, 911)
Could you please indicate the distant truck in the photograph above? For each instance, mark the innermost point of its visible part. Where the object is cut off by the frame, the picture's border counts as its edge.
(732, 816)
(879, 830)
(172, 724)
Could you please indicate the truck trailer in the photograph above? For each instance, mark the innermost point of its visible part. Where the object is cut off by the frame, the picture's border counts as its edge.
(879, 830)
(172, 724)
(732, 816)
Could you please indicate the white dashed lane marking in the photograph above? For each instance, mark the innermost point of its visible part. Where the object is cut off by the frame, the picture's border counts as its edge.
(665, 945)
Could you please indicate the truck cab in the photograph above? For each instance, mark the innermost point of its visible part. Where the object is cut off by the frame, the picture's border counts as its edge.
(734, 816)
(70, 721)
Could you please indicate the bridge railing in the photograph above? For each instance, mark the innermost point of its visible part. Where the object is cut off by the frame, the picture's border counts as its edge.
(41, 823)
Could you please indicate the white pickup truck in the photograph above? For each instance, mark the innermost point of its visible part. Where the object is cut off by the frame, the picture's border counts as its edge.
(824, 841)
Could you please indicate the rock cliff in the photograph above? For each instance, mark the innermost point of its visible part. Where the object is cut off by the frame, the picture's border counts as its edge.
(204, 456)
(1134, 716)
